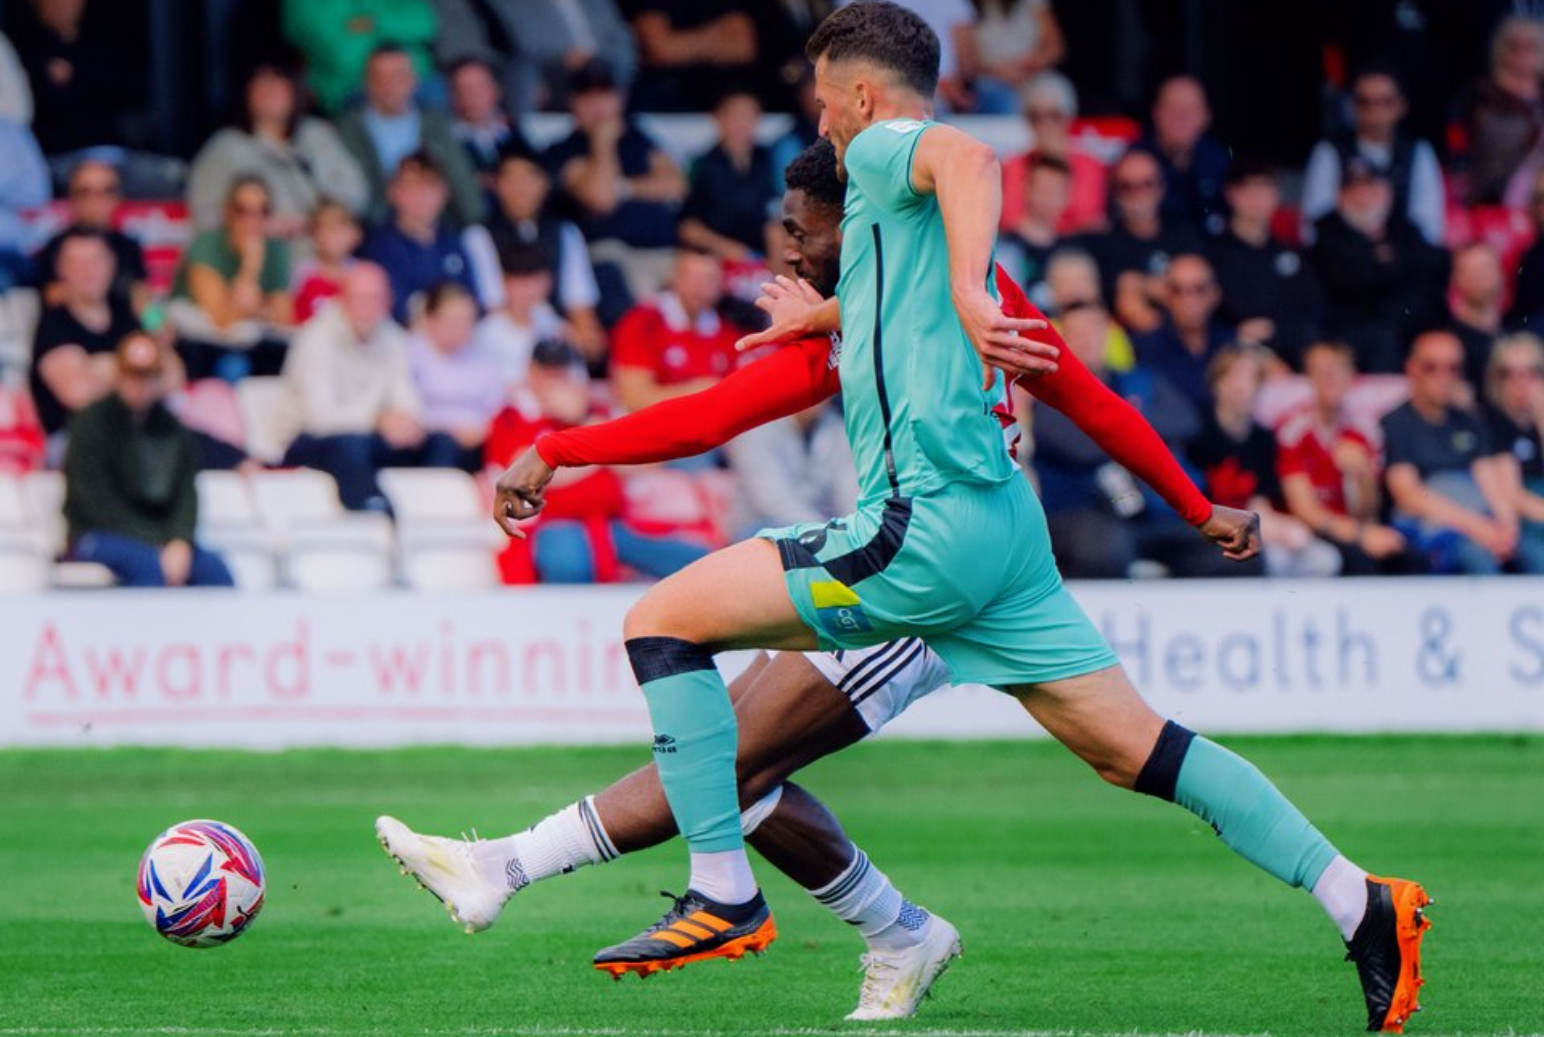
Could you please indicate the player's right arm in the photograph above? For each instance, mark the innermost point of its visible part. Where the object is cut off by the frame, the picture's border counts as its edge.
(773, 387)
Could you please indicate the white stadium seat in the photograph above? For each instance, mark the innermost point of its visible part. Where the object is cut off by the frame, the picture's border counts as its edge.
(25, 561)
(445, 537)
(43, 493)
(325, 547)
(228, 523)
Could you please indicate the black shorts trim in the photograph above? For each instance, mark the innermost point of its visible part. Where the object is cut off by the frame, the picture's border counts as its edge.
(860, 563)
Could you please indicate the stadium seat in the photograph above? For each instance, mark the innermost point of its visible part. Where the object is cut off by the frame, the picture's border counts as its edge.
(265, 409)
(43, 493)
(445, 539)
(325, 548)
(19, 310)
(229, 524)
(24, 556)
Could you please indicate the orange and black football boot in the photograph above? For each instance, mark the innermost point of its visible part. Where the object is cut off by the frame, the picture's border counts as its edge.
(694, 929)
(1387, 950)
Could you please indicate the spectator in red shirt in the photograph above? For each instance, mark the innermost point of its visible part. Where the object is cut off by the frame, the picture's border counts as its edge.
(581, 535)
(335, 235)
(1050, 105)
(678, 343)
(1330, 474)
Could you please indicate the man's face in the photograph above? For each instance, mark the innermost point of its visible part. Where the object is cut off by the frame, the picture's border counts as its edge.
(814, 249)
(419, 197)
(390, 83)
(1181, 114)
(1086, 330)
(1050, 191)
(521, 187)
(1192, 292)
(1376, 106)
(94, 195)
(698, 281)
(474, 95)
(1477, 277)
(844, 105)
(1435, 366)
(86, 268)
(595, 107)
(1138, 186)
(524, 292)
(1330, 374)
(366, 299)
(736, 117)
(1366, 203)
(1254, 199)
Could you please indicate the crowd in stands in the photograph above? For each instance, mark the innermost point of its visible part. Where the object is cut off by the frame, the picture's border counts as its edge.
(1348, 348)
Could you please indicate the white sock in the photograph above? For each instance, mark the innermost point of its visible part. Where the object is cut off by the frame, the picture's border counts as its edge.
(556, 845)
(864, 897)
(1342, 892)
(724, 876)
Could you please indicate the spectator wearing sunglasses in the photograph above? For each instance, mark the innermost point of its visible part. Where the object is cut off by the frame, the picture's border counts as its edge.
(95, 196)
(1134, 254)
(1050, 105)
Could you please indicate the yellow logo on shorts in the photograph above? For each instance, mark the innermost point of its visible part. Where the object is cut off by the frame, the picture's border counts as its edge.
(838, 607)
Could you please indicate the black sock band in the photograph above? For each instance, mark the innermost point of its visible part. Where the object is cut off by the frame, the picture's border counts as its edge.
(1160, 774)
(657, 657)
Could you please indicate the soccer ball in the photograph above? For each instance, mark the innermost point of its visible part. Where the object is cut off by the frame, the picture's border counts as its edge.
(201, 883)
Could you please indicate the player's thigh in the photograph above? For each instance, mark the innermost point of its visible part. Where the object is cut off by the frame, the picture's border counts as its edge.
(791, 716)
(734, 598)
(1100, 717)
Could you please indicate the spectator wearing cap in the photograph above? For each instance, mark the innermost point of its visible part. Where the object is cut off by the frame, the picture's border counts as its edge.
(1377, 138)
(619, 182)
(130, 500)
(1330, 475)
(1025, 249)
(95, 196)
(351, 394)
(581, 535)
(339, 38)
(1185, 344)
(415, 245)
(483, 127)
(24, 184)
(733, 185)
(300, 159)
(510, 333)
(1454, 497)
(1475, 293)
(1050, 104)
(1193, 163)
(1514, 397)
(1135, 252)
(524, 218)
(389, 125)
(1505, 117)
(1381, 280)
(677, 343)
(460, 384)
(1270, 294)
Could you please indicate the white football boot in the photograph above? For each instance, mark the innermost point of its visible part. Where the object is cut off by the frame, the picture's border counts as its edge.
(895, 983)
(446, 868)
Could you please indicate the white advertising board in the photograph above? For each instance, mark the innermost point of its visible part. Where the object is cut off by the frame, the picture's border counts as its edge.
(547, 665)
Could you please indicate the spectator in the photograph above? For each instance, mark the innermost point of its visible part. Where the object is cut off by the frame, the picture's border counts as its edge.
(1375, 136)
(390, 125)
(1194, 164)
(1329, 471)
(1185, 344)
(798, 469)
(84, 82)
(523, 219)
(733, 187)
(1050, 105)
(15, 93)
(95, 195)
(1452, 495)
(72, 351)
(1474, 295)
(1102, 521)
(581, 535)
(689, 50)
(461, 386)
(1237, 457)
(1514, 390)
(1381, 279)
(130, 501)
(231, 300)
(1072, 282)
(482, 125)
(1505, 118)
(301, 160)
(352, 394)
(415, 246)
(1014, 41)
(510, 334)
(678, 343)
(335, 236)
(619, 182)
(1527, 312)
(339, 39)
(1135, 252)
(24, 184)
(1269, 292)
(1025, 250)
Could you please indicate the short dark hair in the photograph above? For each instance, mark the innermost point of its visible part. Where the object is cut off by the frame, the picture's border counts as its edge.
(471, 61)
(420, 161)
(387, 48)
(442, 292)
(886, 34)
(1333, 346)
(1248, 168)
(813, 171)
(518, 259)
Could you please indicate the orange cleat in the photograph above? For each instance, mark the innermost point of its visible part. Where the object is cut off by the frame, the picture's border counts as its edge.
(1387, 950)
(694, 929)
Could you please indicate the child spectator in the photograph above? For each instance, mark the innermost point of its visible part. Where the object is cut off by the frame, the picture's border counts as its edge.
(509, 335)
(95, 196)
(460, 386)
(581, 535)
(678, 343)
(1050, 105)
(732, 187)
(1025, 249)
(416, 247)
(335, 235)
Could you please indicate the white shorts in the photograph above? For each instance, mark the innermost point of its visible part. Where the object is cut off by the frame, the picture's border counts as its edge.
(882, 681)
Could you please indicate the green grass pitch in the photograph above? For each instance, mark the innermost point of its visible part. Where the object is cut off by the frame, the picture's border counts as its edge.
(1084, 910)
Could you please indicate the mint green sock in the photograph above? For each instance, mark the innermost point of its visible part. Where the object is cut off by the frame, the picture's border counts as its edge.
(695, 739)
(1250, 814)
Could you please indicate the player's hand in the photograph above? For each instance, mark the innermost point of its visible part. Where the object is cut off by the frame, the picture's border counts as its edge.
(793, 305)
(1236, 532)
(521, 492)
(1000, 340)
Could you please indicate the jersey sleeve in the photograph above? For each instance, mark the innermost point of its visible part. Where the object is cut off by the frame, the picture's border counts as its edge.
(786, 382)
(878, 161)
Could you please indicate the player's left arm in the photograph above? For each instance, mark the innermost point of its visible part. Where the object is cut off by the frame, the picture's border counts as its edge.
(965, 176)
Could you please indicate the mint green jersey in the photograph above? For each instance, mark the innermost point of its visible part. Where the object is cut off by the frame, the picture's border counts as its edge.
(917, 416)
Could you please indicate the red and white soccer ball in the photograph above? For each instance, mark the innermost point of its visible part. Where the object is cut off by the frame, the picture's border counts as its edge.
(201, 883)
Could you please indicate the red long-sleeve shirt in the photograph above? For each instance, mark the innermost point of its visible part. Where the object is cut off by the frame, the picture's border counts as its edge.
(800, 375)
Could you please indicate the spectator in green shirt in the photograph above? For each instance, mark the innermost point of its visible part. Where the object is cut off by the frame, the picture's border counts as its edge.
(337, 37)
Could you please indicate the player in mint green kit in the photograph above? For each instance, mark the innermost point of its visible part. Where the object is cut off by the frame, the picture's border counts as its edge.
(948, 541)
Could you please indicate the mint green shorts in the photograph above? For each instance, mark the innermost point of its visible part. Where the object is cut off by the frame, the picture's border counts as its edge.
(968, 569)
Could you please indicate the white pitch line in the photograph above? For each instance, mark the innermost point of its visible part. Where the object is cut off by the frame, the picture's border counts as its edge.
(609, 1031)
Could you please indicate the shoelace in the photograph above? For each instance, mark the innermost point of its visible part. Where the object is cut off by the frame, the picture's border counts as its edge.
(878, 974)
(678, 906)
